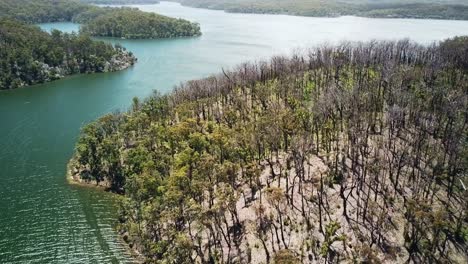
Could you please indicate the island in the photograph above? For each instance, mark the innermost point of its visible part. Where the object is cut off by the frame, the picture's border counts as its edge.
(348, 153)
(29, 55)
(119, 22)
(427, 9)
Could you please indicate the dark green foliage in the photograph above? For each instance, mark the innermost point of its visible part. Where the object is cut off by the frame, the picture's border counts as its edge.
(227, 168)
(29, 55)
(133, 24)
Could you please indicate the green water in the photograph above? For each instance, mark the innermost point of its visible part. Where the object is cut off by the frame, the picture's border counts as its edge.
(45, 220)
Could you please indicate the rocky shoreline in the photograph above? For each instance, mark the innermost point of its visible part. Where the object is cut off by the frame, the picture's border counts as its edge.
(74, 177)
(118, 62)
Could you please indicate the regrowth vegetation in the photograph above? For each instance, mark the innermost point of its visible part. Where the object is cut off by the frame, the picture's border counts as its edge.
(355, 152)
(29, 55)
(121, 22)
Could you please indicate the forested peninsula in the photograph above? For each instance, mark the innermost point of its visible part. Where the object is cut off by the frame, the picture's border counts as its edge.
(428, 9)
(29, 55)
(123, 22)
(355, 152)
(132, 23)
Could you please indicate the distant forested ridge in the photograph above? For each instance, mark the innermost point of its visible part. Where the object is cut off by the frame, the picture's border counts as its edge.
(435, 9)
(41, 11)
(99, 21)
(29, 55)
(120, 2)
(350, 153)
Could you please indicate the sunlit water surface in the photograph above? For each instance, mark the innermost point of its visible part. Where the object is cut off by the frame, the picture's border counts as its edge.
(45, 220)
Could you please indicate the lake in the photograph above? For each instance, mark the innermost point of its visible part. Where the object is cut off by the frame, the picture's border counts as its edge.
(45, 220)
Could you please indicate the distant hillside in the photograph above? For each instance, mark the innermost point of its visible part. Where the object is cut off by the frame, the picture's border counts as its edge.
(40, 11)
(120, 2)
(435, 9)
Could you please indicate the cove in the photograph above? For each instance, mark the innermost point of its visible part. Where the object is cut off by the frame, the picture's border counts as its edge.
(44, 219)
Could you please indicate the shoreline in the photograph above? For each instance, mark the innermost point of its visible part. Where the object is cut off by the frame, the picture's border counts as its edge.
(119, 62)
(74, 180)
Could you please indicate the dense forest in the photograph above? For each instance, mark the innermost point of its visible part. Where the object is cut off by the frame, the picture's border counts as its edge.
(436, 9)
(356, 152)
(41, 11)
(135, 24)
(99, 21)
(29, 55)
